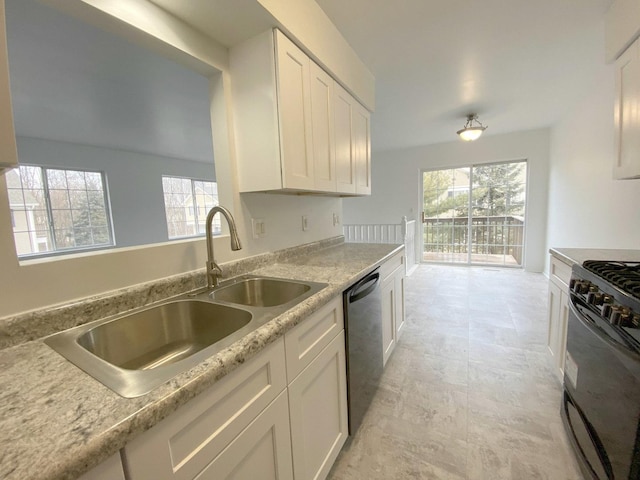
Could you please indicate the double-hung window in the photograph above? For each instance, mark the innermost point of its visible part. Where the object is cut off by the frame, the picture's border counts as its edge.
(58, 210)
(187, 202)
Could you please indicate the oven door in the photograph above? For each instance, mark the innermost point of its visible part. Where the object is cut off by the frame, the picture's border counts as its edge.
(601, 402)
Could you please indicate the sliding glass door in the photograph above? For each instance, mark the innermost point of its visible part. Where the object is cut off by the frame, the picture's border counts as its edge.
(475, 215)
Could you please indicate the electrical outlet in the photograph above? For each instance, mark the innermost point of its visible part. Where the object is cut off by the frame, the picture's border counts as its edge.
(258, 227)
(336, 219)
(305, 223)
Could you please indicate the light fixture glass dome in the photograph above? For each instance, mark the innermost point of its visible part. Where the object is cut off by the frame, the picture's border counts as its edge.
(472, 129)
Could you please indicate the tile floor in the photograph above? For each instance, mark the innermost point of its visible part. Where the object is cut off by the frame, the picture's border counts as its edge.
(469, 392)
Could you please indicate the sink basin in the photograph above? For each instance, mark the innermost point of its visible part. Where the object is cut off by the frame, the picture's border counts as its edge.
(261, 292)
(136, 352)
(162, 335)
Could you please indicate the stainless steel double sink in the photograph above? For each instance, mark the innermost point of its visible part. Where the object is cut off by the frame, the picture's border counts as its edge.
(135, 352)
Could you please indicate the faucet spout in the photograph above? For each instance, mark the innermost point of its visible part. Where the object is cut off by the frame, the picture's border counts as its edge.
(213, 269)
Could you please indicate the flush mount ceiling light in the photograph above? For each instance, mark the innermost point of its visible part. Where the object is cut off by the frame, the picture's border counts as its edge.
(472, 129)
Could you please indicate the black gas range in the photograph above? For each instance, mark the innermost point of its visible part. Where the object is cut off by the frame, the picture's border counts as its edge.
(601, 401)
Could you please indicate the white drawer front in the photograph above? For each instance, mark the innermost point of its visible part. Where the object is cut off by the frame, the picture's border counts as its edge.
(307, 339)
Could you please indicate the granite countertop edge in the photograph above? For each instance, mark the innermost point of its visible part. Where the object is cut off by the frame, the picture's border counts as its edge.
(94, 436)
(572, 256)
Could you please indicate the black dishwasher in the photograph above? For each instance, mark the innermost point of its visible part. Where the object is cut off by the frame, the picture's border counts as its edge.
(363, 328)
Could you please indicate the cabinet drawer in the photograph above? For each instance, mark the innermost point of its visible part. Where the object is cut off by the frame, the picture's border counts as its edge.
(389, 267)
(307, 339)
(560, 271)
(185, 442)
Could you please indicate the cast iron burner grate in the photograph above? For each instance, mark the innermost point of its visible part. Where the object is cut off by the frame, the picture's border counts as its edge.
(624, 275)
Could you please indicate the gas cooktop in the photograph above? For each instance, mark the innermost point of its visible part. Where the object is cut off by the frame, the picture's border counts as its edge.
(623, 275)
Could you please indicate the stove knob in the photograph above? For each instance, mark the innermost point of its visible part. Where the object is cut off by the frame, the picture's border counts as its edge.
(635, 321)
(607, 298)
(580, 287)
(584, 287)
(593, 288)
(595, 298)
(614, 316)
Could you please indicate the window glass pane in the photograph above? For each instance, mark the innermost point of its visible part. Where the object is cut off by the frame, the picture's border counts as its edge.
(187, 202)
(60, 216)
(57, 179)
(79, 199)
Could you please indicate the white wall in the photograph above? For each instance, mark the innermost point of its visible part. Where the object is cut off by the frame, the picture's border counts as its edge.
(587, 208)
(396, 181)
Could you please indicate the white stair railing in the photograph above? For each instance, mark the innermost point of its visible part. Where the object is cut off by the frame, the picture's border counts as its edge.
(398, 233)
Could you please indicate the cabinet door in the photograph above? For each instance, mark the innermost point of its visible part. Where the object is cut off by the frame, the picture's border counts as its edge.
(627, 113)
(388, 292)
(294, 102)
(345, 162)
(318, 410)
(557, 329)
(362, 149)
(399, 288)
(562, 333)
(262, 450)
(184, 443)
(324, 151)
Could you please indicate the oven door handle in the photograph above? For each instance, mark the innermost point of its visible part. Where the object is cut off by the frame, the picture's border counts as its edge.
(627, 352)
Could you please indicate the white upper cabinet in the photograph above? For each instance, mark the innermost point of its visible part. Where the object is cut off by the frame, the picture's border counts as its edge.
(293, 81)
(345, 162)
(296, 129)
(353, 144)
(362, 149)
(323, 131)
(8, 150)
(627, 114)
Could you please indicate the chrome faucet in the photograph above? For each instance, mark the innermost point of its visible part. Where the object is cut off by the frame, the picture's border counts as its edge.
(213, 269)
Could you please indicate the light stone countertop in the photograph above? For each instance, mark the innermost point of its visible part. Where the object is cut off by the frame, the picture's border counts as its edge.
(571, 256)
(57, 422)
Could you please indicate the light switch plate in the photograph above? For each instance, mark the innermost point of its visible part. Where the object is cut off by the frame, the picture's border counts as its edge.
(258, 227)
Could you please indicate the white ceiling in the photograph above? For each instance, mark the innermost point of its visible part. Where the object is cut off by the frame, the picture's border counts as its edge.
(519, 64)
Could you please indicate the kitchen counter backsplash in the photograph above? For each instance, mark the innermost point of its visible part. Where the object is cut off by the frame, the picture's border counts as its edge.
(17, 329)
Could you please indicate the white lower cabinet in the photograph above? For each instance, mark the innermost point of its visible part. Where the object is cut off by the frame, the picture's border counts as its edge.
(558, 313)
(388, 290)
(557, 328)
(262, 450)
(392, 273)
(183, 445)
(249, 424)
(318, 406)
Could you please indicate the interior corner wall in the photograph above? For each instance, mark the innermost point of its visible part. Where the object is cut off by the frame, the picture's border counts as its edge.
(396, 182)
(587, 207)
